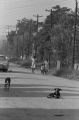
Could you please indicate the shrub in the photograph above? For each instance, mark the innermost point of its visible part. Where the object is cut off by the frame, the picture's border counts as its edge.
(26, 63)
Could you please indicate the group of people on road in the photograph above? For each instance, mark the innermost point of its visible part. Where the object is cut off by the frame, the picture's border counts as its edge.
(44, 66)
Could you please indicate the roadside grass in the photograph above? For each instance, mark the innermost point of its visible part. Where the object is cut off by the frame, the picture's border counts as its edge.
(67, 73)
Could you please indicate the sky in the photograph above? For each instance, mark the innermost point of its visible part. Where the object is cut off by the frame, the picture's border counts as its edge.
(13, 10)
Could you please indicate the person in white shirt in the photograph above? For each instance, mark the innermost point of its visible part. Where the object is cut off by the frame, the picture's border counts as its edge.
(33, 65)
(46, 65)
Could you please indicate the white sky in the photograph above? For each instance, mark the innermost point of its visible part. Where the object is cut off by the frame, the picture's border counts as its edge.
(13, 10)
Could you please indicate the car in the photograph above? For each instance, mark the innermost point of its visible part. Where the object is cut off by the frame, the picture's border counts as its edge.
(4, 64)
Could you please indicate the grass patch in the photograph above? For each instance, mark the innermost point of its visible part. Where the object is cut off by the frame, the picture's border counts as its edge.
(67, 73)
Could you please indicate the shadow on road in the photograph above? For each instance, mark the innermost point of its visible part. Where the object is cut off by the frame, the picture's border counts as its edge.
(23, 72)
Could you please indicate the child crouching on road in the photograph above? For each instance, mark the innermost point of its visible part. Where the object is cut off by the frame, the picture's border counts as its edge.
(42, 69)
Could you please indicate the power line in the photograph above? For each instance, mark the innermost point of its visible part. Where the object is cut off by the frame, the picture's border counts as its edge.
(24, 6)
(30, 5)
(20, 7)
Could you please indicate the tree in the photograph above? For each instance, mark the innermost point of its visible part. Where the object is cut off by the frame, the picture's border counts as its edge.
(60, 35)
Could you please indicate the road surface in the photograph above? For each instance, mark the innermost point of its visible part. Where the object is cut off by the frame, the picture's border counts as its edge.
(27, 97)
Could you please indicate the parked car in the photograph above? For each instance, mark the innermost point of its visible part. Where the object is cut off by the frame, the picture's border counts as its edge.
(4, 64)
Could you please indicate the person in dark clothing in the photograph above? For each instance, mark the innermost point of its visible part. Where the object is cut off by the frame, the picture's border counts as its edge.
(55, 94)
(42, 69)
(7, 82)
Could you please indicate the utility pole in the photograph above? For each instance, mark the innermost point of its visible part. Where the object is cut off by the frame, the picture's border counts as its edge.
(8, 47)
(74, 40)
(17, 41)
(18, 50)
(37, 16)
(8, 36)
(8, 27)
(51, 30)
(30, 34)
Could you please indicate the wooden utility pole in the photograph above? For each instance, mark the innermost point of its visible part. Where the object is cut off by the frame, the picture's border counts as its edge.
(50, 39)
(8, 47)
(74, 40)
(8, 27)
(37, 16)
(17, 42)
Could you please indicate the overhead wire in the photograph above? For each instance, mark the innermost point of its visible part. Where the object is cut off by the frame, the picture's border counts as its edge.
(24, 6)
